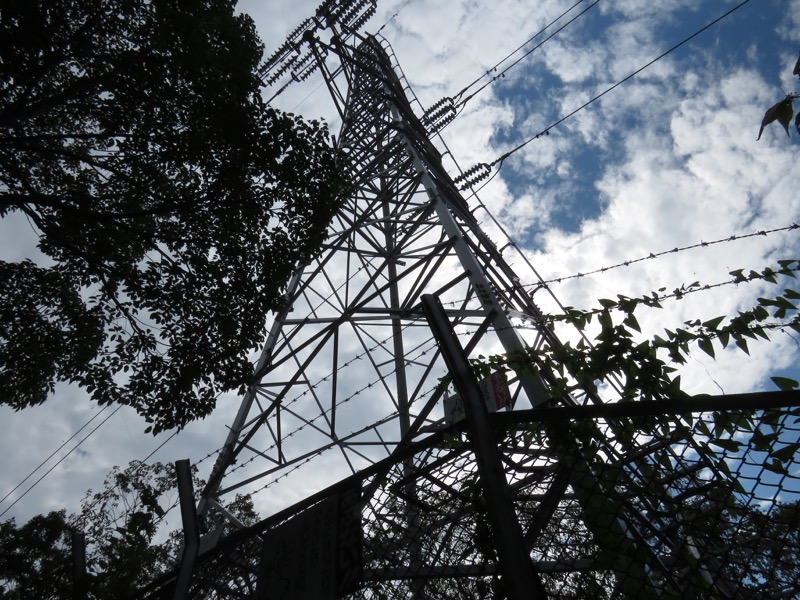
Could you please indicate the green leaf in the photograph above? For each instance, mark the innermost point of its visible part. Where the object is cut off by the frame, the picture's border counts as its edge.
(713, 324)
(791, 294)
(729, 445)
(785, 384)
(760, 313)
(738, 275)
(706, 346)
(664, 461)
(606, 303)
(761, 441)
(776, 467)
(604, 318)
(724, 338)
(631, 322)
(787, 453)
(781, 112)
(771, 418)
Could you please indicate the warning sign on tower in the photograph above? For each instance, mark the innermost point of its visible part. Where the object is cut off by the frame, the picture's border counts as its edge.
(495, 392)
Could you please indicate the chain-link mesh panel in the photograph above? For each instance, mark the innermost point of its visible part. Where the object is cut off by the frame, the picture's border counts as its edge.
(701, 505)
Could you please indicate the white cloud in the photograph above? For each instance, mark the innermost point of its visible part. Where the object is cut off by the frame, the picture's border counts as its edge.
(677, 161)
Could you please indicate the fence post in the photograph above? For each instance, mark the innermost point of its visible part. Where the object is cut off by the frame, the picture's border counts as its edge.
(79, 565)
(191, 530)
(515, 563)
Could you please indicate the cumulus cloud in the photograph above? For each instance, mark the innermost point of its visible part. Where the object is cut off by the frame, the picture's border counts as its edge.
(667, 160)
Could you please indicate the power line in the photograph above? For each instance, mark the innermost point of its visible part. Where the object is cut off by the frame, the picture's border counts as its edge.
(483, 170)
(620, 82)
(526, 54)
(60, 460)
(56, 451)
(440, 114)
(394, 16)
(75, 447)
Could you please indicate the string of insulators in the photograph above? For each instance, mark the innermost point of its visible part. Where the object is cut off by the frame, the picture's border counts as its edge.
(359, 23)
(347, 16)
(352, 21)
(472, 176)
(303, 61)
(439, 115)
(352, 14)
(331, 10)
(279, 55)
(278, 73)
(306, 73)
(290, 45)
(298, 31)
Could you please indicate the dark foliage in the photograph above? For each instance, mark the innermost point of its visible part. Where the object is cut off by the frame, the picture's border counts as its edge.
(122, 524)
(171, 202)
(36, 558)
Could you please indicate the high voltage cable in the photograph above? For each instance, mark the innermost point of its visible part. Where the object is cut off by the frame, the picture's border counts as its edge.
(394, 16)
(526, 54)
(62, 459)
(620, 82)
(75, 447)
(483, 170)
(440, 114)
(41, 464)
(653, 255)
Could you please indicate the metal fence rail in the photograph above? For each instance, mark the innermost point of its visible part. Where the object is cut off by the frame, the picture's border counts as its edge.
(612, 504)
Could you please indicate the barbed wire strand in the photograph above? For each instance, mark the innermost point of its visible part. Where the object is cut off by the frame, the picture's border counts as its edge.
(655, 255)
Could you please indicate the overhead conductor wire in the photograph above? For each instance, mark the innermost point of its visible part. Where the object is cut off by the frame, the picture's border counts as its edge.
(546, 131)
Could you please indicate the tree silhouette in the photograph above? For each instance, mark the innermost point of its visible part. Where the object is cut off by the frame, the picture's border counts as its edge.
(170, 203)
(125, 542)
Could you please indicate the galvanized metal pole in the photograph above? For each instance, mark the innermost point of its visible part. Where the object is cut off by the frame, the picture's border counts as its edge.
(515, 563)
(191, 530)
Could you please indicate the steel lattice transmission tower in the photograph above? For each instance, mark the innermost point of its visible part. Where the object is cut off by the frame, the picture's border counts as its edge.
(350, 369)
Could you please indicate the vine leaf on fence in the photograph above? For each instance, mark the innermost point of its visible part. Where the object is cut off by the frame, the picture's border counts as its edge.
(781, 112)
(785, 384)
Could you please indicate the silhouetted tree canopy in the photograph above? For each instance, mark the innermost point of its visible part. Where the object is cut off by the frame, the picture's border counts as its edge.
(171, 203)
(120, 522)
(36, 558)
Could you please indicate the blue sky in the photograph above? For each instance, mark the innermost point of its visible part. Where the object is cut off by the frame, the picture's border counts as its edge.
(668, 159)
(717, 50)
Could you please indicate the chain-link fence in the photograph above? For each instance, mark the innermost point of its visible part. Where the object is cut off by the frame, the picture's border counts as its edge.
(612, 502)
